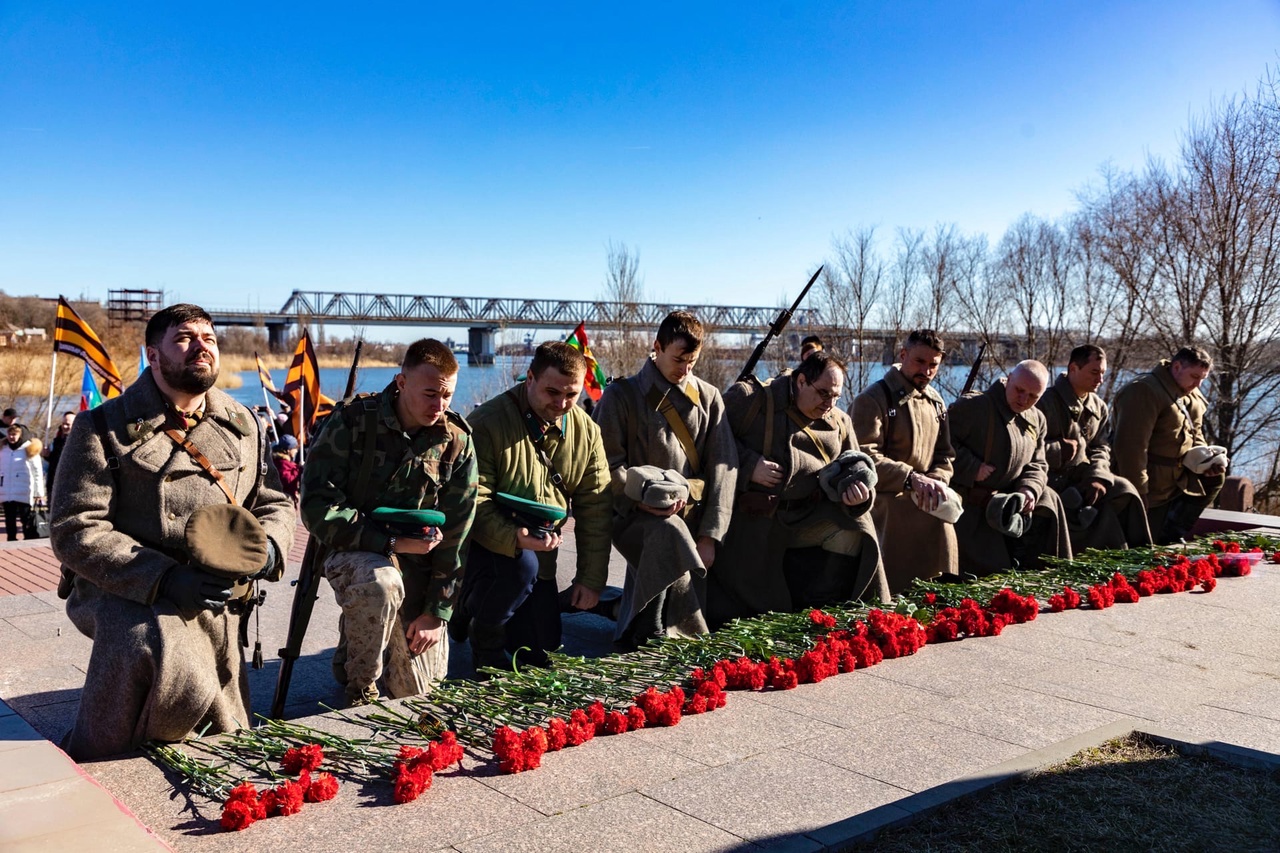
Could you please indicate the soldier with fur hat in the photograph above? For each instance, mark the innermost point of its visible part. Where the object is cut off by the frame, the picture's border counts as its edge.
(801, 534)
(165, 498)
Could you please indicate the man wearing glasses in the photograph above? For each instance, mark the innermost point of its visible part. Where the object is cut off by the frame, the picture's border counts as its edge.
(799, 537)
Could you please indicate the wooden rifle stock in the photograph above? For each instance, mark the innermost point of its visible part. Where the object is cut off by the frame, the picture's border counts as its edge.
(779, 325)
(973, 371)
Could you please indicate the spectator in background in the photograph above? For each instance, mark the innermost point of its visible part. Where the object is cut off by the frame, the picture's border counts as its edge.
(283, 455)
(53, 452)
(21, 480)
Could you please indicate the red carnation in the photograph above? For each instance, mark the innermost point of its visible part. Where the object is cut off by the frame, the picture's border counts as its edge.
(534, 743)
(284, 799)
(595, 713)
(411, 782)
(635, 718)
(236, 815)
(822, 620)
(322, 788)
(557, 734)
(1208, 584)
(299, 758)
(930, 598)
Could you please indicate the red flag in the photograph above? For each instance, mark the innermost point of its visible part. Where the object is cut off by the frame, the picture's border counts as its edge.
(594, 383)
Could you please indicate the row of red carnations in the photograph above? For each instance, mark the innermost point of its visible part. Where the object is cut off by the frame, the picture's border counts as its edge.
(413, 769)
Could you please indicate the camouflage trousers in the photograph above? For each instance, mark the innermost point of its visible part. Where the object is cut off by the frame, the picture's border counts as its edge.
(370, 590)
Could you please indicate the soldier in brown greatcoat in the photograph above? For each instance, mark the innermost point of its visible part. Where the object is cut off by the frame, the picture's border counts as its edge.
(1158, 418)
(787, 432)
(998, 437)
(901, 423)
(1103, 510)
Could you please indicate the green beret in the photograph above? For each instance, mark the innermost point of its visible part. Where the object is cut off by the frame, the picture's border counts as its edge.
(545, 513)
(408, 517)
(227, 540)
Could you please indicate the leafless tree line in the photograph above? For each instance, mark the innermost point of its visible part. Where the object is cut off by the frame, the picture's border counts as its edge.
(1174, 253)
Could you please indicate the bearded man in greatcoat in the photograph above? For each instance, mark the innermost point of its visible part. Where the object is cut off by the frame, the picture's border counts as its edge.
(144, 577)
(901, 423)
(1011, 516)
(1104, 510)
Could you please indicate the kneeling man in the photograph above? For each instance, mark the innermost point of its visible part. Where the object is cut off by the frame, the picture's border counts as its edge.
(802, 483)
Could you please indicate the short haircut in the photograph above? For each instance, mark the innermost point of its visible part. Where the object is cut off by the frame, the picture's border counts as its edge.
(432, 352)
(1083, 354)
(1193, 357)
(559, 355)
(1033, 367)
(811, 340)
(925, 338)
(816, 365)
(175, 315)
(681, 325)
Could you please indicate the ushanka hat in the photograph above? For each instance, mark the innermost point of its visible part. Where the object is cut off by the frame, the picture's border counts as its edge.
(655, 487)
(226, 540)
(1004, 513)
(949, 509)
(1202, 458)
(846, 469)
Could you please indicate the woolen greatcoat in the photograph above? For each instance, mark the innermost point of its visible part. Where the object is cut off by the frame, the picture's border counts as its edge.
(661, 552)
(905, 431)
(1121, 521)
(1155, 423)
(749, 573)
(985, 429)
(155, 673)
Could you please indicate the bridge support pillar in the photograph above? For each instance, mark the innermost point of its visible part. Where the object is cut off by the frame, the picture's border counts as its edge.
(276, 335)
(480, 344)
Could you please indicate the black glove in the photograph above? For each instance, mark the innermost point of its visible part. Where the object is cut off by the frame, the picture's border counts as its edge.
(273, 554)
(192, 588)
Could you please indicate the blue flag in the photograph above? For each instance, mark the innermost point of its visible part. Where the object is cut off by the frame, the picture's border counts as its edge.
(89, 396)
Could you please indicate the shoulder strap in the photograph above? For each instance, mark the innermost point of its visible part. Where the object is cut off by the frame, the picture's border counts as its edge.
(536, 438)
(769, 408)
(658, 401)
(104, 433)
(203, 461)
(791, 413)
(991, 428)
(368, 449)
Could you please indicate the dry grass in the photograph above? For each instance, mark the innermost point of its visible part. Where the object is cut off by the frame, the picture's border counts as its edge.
(1129, 794)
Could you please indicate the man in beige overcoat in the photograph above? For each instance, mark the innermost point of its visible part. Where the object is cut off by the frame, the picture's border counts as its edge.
(901, 423)
(1158, 421)
(1011, 516)
(1104, 510)
(666, 418)
(166, 657)
(787, 432)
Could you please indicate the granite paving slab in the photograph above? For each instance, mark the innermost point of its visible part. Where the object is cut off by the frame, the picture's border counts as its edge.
(1010, 713)
(774, 795)
(849, 700)
(925, 752)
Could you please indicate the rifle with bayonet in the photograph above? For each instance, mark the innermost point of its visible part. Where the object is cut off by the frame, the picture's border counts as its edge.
(779, 325)
(306, 589)
(973, 371)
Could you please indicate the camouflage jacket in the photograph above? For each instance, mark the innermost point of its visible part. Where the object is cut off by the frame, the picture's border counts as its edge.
(434, 468)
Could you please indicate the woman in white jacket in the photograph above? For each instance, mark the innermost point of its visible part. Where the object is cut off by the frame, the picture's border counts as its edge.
(21, 481)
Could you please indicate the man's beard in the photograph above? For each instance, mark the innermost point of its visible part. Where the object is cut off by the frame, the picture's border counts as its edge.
(187, 377)
(920, 381)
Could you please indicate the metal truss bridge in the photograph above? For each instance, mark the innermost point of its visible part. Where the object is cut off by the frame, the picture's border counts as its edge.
(366, 309)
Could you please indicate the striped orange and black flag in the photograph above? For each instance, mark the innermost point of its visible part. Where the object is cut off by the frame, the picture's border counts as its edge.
(73, 336)
(304, 373)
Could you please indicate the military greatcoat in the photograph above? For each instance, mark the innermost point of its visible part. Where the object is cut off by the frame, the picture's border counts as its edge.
(906, 430)
(155, 673)
(1121, 520)
(985, 429)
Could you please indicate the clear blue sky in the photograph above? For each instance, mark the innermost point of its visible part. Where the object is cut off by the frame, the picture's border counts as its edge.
(230, 153)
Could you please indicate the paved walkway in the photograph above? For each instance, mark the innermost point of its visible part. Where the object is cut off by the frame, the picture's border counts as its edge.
(779, 769)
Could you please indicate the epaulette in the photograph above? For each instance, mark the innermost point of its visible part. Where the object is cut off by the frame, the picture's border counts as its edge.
(458, 420)
(242, 422)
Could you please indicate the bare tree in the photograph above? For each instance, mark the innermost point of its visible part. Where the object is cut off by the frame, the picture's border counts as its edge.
(851, 286)
(620, 345)
(1032, 268)
(904, 282)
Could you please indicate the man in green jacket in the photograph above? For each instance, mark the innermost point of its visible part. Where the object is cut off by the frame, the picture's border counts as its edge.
(400, 448)
(533, 443)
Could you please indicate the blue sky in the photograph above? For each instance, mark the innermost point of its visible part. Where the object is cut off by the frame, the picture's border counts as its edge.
(230, 153)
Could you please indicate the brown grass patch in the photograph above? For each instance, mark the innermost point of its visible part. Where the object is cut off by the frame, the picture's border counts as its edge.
(1127, 794)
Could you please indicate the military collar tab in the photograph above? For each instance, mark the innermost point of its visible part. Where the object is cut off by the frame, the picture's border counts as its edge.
(140, 429)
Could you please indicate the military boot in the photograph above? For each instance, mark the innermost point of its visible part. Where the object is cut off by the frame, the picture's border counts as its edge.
(488, 648)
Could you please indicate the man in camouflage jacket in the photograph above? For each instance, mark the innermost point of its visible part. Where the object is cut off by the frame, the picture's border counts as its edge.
(401, 448)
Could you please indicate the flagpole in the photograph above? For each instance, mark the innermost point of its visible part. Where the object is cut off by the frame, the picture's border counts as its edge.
(48, 417)
(266, 401)
(302, 423)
